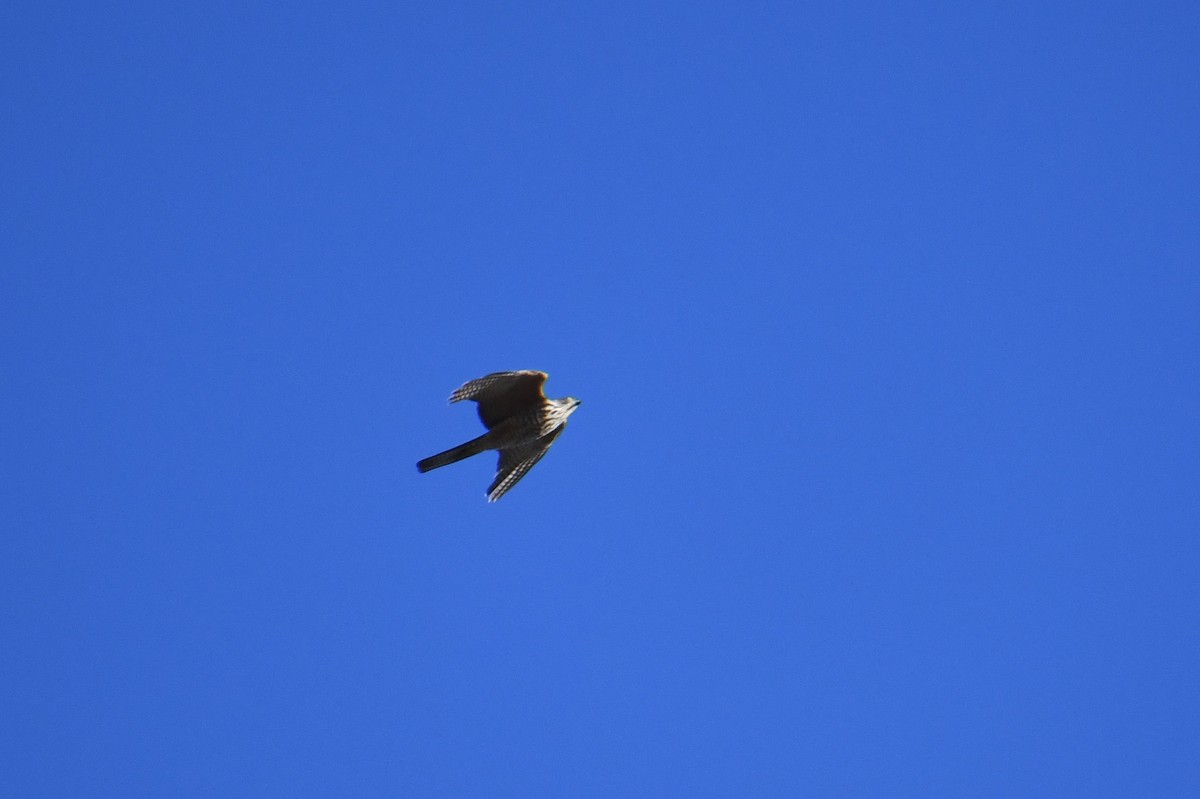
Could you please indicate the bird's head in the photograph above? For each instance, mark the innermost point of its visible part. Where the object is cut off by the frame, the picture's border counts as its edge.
(568, 404)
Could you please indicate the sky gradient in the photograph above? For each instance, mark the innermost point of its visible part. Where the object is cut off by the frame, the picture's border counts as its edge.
(886, 480)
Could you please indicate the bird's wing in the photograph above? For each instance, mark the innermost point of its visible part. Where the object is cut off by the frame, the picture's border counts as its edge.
(515, 462)
(503, 394)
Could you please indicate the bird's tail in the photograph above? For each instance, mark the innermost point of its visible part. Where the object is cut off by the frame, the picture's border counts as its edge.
(472, 447)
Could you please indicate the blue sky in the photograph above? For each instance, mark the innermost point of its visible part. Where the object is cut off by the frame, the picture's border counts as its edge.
(886, 480)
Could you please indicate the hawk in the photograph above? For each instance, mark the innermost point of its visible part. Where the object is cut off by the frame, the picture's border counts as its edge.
(522, 424)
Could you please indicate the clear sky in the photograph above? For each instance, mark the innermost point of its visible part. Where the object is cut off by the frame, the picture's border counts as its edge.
(885, 319)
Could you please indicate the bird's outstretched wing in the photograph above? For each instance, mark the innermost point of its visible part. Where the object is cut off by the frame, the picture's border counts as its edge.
(515, 462)
(503, 394)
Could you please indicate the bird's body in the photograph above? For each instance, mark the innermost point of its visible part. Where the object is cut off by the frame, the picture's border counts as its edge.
(522, 423)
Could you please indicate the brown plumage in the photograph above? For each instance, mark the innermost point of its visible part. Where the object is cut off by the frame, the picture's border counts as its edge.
(522, 424)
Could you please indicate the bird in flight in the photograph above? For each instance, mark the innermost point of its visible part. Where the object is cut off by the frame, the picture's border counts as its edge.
(522, 424)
